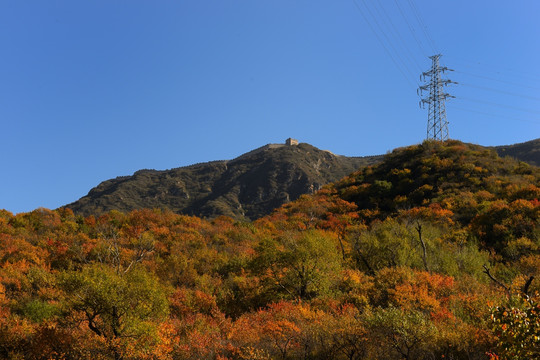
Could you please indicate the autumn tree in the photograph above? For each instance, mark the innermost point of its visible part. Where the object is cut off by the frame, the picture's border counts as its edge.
(517, 327)
(119, 308)
(300, 265)
(399, 334)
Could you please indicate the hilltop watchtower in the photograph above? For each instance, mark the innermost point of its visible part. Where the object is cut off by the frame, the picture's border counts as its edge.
(291, 142)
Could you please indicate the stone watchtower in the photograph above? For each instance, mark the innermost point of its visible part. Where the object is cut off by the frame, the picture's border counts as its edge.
(291, 142)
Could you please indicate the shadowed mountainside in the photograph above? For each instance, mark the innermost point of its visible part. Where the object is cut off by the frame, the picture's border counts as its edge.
(248, 187)
(528, 152)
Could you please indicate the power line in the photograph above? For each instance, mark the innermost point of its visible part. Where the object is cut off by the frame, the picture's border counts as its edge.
(381, 42)
(498, 80)
(504, 72)
(411, 29)
(398, 35)
(493, 115)
(396, 52)
(498, 105)
(423, 26)
(501, 91)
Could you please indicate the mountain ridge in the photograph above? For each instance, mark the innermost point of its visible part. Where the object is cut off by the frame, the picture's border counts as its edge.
(246, 187)
(528, 151)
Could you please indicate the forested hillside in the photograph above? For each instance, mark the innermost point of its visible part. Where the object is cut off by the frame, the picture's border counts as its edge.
(432, 254)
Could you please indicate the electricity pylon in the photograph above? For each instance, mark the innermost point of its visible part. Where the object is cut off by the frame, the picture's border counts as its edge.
(437, 127)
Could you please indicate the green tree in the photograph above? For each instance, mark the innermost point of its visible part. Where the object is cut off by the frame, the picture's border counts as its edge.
(302, 265)
(400, 334)
(389, 243)
(119, 308)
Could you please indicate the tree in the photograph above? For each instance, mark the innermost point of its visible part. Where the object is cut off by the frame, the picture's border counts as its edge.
(517, 327)
(399, 334)
(119, 308)
(301, 265)
(389, 243)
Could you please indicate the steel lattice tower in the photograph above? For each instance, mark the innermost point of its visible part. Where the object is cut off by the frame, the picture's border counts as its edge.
(437, 127)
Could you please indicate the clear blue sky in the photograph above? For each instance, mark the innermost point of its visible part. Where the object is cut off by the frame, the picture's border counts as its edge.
(91, 90)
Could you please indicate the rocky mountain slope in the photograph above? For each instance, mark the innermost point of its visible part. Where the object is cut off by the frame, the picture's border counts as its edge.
(247, 187)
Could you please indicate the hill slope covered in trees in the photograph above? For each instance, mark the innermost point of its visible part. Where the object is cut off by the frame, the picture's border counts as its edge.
(433, 253)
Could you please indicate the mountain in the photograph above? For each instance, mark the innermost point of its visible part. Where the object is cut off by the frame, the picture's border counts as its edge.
(528, 152)
(248, 187)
